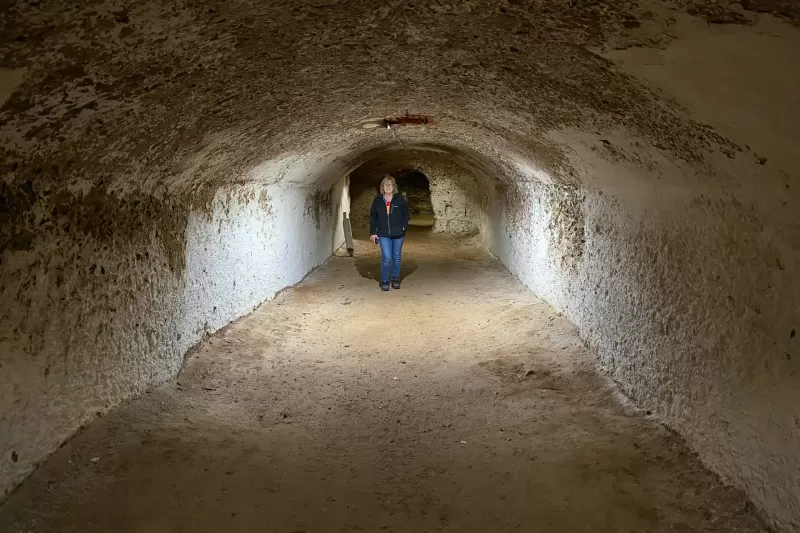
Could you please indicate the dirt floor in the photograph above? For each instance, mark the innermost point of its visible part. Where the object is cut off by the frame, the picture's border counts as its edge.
(459, 403)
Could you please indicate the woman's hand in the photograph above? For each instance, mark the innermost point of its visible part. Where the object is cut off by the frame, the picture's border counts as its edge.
(374, 239)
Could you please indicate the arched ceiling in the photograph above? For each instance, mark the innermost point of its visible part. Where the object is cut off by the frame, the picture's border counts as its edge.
(422, 159)
(181, 95)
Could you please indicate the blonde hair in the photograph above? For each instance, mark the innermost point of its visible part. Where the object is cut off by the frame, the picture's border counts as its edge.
(388, 179)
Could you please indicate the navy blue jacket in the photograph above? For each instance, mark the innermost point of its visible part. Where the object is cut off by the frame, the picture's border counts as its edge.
(392, 224)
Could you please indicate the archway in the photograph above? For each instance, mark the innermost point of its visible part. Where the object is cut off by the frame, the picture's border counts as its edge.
(441, 186)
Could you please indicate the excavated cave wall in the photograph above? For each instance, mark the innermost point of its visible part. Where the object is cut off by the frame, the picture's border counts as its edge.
(684, 292)
(102, 296)
(690, 297)
(454, 193)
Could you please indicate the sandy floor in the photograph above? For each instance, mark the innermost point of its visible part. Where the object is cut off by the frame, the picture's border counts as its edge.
(459, 403)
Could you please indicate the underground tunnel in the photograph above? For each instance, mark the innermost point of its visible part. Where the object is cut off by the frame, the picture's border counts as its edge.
(597, 326)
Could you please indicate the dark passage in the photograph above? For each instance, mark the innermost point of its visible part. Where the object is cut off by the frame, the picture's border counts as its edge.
(417, 190)
(414, 185)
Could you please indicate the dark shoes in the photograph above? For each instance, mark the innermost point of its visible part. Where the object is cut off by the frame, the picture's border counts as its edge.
(395, 284)
(384, 285)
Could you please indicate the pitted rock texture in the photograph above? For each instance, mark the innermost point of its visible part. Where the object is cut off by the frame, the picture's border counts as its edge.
(632, 162)
(292, 419)
(690, 309)
(186, 95)
(103, 309)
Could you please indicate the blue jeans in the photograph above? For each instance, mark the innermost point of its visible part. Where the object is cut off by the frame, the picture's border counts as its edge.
(391, 248)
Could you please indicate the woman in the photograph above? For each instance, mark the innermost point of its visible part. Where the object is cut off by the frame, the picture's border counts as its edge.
(388, 221)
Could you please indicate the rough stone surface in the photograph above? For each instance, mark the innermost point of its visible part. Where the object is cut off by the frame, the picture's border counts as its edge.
(92, 319)
(668, 291)
(635, 164)
(491, 416)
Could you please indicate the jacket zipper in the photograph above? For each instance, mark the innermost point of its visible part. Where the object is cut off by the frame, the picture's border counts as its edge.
(389, 218)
